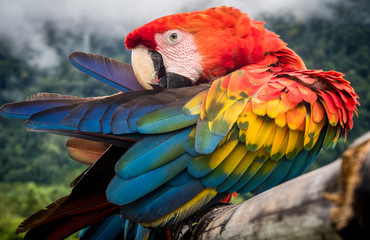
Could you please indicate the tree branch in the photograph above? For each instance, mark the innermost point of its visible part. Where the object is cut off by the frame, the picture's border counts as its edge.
(332, 202)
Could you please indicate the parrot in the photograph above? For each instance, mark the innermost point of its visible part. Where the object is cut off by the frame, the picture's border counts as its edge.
(213, 104)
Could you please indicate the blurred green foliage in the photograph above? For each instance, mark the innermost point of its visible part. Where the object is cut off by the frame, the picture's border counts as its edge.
(20, 200)
(35, 169)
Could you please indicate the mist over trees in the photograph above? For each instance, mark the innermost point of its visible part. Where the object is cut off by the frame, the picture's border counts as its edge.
(37, 165)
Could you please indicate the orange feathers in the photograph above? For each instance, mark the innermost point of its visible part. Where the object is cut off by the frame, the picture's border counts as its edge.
(244, 41)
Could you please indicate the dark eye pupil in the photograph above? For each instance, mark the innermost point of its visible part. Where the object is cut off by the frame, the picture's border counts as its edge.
(173, 36)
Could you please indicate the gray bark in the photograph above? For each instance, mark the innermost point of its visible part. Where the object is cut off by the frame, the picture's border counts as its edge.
(332, 202)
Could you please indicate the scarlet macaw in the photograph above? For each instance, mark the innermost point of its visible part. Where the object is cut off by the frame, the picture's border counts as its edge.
(227, 107)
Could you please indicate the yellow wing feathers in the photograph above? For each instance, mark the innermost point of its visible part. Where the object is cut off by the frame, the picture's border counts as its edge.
(283, 116)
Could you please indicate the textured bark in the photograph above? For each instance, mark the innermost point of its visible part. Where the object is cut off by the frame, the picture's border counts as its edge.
(332, 202)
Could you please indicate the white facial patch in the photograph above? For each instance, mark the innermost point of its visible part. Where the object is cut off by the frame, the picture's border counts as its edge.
(179, 53)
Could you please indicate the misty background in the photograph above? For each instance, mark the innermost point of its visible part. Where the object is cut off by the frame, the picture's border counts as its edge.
(37, 36)
(25, 24)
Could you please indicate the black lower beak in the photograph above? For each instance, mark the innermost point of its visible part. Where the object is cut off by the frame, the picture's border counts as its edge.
(173, 80)
(167, 79)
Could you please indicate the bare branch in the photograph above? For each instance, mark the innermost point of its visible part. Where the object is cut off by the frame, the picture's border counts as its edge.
(332, 202)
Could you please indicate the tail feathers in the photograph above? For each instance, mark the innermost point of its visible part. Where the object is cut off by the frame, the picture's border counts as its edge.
(67, 225)
(86, 205)
(64, 208)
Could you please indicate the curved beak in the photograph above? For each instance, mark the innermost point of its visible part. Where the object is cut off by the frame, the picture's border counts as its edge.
(150, 71)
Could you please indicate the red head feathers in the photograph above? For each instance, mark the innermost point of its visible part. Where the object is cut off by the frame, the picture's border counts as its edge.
(225, 38)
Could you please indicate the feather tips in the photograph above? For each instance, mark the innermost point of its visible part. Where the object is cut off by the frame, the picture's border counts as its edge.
(203, 164)
(158, 208)
(185, 210)
(123, 191)
(37, 103)
(225, 168)
(165, 119)
(152, 152)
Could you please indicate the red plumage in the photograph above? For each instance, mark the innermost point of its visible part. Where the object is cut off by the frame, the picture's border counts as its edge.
(244, 41)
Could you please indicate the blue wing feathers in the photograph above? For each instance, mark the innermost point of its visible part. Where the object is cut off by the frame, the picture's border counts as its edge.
(121, 191)
(119, 100)
(237, 173)
(76, 114)
(50, 119)
(180, 179)
(24, 110)
(112, 72)
(206, 141)
(225, 168)
(91, 119)
(165, 119)
(151, 152)
(267, 168)
(204, 164)
(129, 113)
(247, 175)
(302, 164)
(160, 202)
(298, 161)
(276, 176)
(313, 153)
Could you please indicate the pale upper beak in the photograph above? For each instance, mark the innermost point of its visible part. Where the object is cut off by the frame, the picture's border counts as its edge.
(151, 73)
(143, 66)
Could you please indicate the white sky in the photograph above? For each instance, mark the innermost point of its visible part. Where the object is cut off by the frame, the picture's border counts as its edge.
(22, 21)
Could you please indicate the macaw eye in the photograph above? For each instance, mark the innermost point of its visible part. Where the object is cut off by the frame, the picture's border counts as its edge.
(173, 37)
